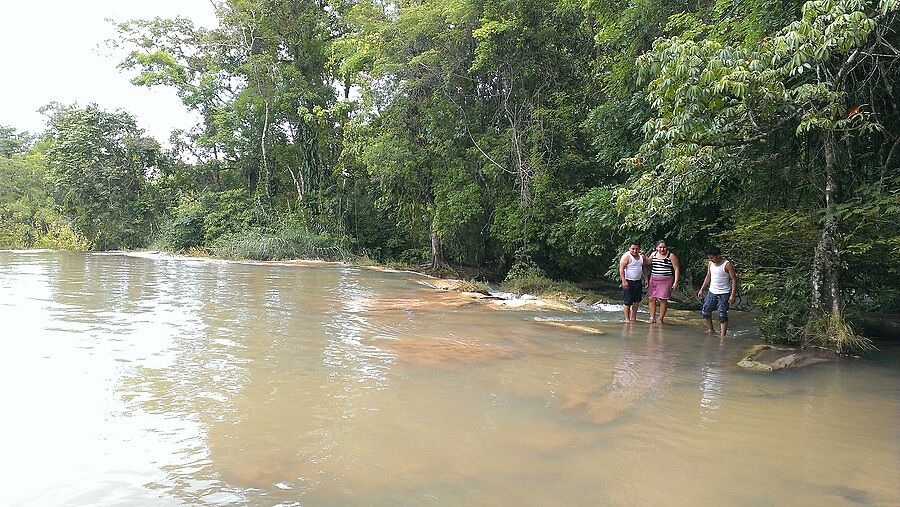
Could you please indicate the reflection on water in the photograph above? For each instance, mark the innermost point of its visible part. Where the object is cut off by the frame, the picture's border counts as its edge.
(158, 382)
(712, 383)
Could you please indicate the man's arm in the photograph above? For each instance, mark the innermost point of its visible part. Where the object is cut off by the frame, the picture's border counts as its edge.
(729, 268)
(704, 286)
(645, 269)
(622, 263)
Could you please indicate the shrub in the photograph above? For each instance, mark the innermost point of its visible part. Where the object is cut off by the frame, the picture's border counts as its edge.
(203, 221)
(474, 286)
(61, 236)
(226, 212)
(538, 285)
(523, 268)
(414, 256)
(187, 228)
(784, 302)
(43, 228)
(280, 244)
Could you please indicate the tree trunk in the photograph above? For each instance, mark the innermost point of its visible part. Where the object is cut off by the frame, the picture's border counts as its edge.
(217, 169)
(826, 294)
(266, 176)
(437, 253)
(826, 288)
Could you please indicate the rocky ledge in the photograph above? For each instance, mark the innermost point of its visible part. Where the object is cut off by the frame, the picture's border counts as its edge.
(771, 358)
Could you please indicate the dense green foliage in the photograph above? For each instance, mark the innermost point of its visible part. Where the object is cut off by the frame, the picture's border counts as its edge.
(812, 105)
(528, 137)
(100, 166)
(29, 216)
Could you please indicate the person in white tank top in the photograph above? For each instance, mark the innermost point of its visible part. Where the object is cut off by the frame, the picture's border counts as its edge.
(722, 283)
(633, 272)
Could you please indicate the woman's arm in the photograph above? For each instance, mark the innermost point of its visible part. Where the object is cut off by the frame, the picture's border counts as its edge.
(676, 266)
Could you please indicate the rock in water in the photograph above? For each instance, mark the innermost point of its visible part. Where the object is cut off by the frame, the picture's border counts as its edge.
(572, 326)
(770, 358)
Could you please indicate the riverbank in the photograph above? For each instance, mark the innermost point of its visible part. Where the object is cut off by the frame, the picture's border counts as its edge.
(529, 290)
(526, 293)
(469, 289)
(551, 299)
(529, 294)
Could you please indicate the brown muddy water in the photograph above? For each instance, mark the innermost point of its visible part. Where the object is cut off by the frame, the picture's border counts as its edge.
(140, 381)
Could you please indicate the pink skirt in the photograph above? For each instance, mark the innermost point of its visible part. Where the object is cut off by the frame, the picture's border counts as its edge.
(660, 287)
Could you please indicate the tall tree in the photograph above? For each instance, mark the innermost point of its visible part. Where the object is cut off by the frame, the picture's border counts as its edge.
(262, 81)
(13, 141)
(100, 163)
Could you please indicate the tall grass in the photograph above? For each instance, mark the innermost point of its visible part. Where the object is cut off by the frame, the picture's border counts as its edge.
(279, 244)
(536, 284)
(833, 332)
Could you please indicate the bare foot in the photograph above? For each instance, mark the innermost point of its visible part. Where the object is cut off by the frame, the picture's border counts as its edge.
(653, 320)
(661, 322)
(709, 331)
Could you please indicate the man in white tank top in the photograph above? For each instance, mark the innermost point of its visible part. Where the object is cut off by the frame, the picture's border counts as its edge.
(722, 283)
(632, 271)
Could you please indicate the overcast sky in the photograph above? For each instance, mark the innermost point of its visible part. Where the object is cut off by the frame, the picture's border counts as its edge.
(53, 51)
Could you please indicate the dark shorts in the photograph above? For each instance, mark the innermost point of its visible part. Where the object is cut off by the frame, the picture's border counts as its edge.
(633, 293)
(719, 301)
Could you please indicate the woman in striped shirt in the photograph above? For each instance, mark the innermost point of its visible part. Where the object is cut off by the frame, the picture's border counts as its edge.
(664, 273)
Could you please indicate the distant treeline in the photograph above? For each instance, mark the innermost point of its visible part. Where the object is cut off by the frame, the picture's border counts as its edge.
(531, 136)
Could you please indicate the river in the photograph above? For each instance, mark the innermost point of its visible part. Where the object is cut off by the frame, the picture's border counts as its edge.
(152, 381)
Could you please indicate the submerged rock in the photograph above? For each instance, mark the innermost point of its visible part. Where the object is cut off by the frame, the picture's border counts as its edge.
(771, 358)
(450, 284)
(440, 352)
(580, 327)
(534, 303)
(420, 301)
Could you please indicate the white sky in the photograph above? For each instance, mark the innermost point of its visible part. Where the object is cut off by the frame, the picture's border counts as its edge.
(53, 51)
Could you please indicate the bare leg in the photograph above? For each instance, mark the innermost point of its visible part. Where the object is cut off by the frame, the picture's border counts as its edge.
(653, 310)
(634, 309)
(709, 328)
(723, 328)
(627, 309)
(663, 306)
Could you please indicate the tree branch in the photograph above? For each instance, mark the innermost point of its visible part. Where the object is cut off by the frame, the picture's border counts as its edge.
(749, 140)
